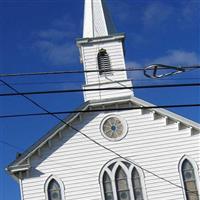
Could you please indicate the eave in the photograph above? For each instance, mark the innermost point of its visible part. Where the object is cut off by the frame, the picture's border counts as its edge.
(18, 164)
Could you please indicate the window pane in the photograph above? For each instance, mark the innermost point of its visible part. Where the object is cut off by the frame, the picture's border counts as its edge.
(189, 181)
(188, 175)
(108, 196)
(120, 174)
(187, 165)
(124, 195)
(138, 194)
(137, 187)
(107, 186)
(54, 192)
(136, 183)
(122, 185)
(190, 185)
(192, 196)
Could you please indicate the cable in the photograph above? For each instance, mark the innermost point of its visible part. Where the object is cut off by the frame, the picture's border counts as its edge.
(83, 71)
(78, 81)
(10, 145)
(94, 141)
(98, 89)
(100, 110)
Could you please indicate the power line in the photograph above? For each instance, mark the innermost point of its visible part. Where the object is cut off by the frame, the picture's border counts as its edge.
(78, 81)
(10, 145)
(94, 141)
(100, 89)
(100, 110)
(84, 71)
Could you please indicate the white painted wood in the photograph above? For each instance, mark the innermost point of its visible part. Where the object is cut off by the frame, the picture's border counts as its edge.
(77, 162)
(97, 22)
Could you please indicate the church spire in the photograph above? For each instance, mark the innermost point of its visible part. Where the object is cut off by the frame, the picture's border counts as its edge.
(102, 50)
(97, 21)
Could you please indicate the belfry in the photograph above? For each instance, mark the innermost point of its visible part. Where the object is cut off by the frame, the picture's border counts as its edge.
(102, 50)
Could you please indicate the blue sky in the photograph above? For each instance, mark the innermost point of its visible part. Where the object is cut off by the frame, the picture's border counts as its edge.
(39, 35)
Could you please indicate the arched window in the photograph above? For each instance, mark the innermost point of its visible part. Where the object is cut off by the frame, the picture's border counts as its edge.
(122, 180)
(54, 191)
(189, 180)
(103, 62)
(122, 185)
(137, 187)
(54, 188)
(107, 185)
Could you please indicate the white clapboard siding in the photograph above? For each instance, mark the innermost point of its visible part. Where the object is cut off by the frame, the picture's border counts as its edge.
(77, 161)
(115, 51)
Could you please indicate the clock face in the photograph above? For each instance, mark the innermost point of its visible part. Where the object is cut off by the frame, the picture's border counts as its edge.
(114, 127)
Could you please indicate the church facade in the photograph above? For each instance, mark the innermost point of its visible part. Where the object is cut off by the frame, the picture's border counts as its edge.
(107, 149)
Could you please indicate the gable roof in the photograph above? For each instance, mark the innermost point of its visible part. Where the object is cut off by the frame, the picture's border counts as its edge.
(19, 165)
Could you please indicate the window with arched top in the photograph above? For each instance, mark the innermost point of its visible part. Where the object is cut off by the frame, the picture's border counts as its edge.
(137, 187)
(103, 62)
(54, 189)
(122, 180)
(122, 184)
(107, 186)
(189, 180)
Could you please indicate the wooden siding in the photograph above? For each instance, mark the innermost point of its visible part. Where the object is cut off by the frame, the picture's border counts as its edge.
(106, 94)
(116, 55)
(77, 161)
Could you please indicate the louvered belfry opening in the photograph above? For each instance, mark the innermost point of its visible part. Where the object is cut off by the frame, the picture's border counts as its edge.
(103, 62)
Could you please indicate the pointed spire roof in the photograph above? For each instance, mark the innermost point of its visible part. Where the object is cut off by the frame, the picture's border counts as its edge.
(97, 21)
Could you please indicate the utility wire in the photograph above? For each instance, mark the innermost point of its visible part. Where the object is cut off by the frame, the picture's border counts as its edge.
(81, 82)
(99, 89)
(85, 71)
(10, 145)
(94, 141)
(99, 110)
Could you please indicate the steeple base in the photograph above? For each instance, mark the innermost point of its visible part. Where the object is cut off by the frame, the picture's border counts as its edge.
(97, 92)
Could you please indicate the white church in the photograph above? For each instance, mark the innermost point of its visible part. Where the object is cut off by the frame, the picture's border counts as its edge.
(114, 154)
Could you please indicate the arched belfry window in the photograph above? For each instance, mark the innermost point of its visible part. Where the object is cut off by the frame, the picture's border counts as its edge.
(189, 178)
(54, 189)
(103, 62)
(122, 180)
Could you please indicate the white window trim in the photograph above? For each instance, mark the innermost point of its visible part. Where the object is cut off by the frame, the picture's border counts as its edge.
(46, 184)
(129, 177)
(195, 167)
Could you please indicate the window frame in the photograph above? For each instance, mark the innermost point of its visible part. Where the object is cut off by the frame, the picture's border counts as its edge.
(119, 162)
(60, 183)
(195, 169)
(104, 72)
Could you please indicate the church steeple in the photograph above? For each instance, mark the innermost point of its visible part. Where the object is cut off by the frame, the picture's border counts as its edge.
(97, 21)
(102, 50)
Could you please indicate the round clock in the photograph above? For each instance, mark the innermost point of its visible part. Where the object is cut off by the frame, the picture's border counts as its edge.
(113, 127)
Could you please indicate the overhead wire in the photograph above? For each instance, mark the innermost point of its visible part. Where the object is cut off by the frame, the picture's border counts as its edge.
(10, 145)
(82, 71)
(89, 138)
(101, 89)
(78, 81)
(99, 110)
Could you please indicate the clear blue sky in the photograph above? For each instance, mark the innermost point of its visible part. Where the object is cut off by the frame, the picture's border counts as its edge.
(39, 35)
